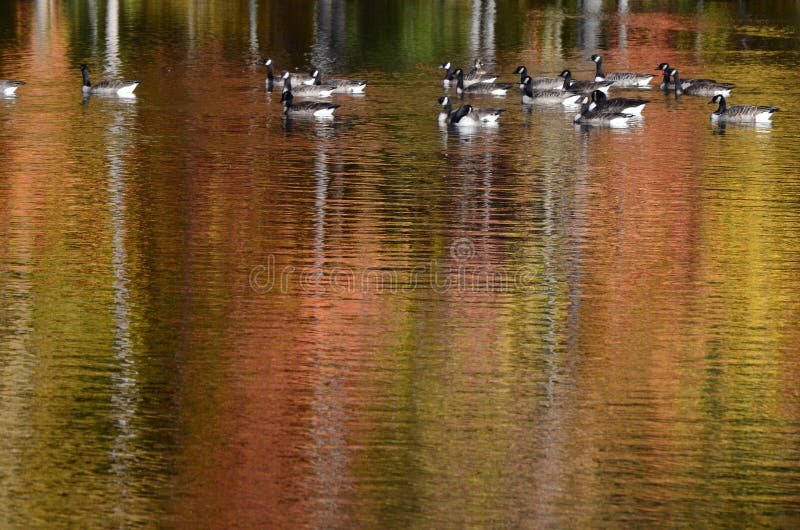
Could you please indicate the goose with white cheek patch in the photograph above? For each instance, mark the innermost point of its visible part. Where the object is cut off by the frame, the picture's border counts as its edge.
(469, 78)
(107, 88)
(741, 113)
(668, 84)
(341, 86)
(471, 116)
(623, 105)
(298, 78)
(306, 108)
(531, 96)
(583, 87)
(600, 117)
(309, 91)
(620, 79)
(484, 88)
(698, 88)
(538, 83)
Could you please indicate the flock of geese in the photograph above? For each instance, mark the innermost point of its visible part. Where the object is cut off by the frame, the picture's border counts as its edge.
(596, 108)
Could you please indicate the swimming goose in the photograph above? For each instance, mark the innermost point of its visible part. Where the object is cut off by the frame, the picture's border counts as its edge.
(700, 87)
(741, 113)
(540, 83)
(584, 87)
(351, 86)
(109, 88)
(469, 79)
(8, 86)
(306, 108)
(483, 87)
(533, 96)
(478, 69)
(598, 116)
(471, 116)
(623, 105)
(668, 84)
(620, 79)
(297, 77)
(312, 91)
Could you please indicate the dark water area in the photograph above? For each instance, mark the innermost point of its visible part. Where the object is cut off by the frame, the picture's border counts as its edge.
(213, 316)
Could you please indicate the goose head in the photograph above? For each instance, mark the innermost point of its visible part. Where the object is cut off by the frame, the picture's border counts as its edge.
(598, 96)
(566, 74)
(663, 66)
(595, 58)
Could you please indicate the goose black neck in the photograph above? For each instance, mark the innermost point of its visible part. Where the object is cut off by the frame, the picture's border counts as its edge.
(722, 105)
(677, 80)
(287, 83)
(462, 111)
(460, 81)
(86, 81)
(270, 73)
(448, 73)
(529, 88)
(523, 74)
(599, 99)
(567, 82)
(599, 68)
(448, 107)
(666, 78)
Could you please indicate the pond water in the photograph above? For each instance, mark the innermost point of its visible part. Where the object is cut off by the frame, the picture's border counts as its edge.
(212, 316)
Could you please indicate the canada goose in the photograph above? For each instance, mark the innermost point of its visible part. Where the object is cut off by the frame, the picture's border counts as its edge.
(312, 91)
(110, 88)
(297, 77)
(623, 105)
(700, 87)
(620, 79)
(540, 83)
(471, 116)
(351, 86)
(668, 84)
(306, 108)
(469, 79)
(495, 89)
(478, 69)
(548, 96)
(584, 87)
(8, 86)
(598, 116)
(741, 113)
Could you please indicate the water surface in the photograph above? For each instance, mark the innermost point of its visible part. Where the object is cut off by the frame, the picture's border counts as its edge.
(212, 316)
